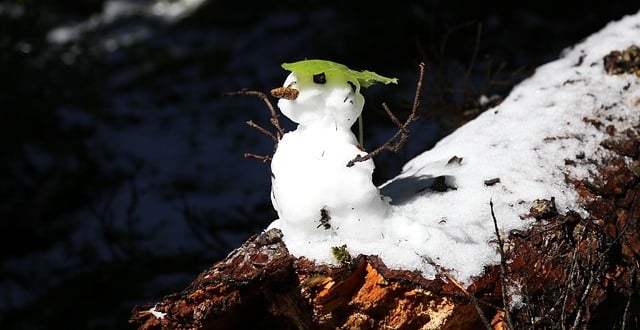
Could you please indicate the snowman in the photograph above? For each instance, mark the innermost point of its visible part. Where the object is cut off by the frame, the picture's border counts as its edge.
(313, 189)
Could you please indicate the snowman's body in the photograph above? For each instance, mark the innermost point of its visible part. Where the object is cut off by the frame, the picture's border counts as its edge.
(313, 190)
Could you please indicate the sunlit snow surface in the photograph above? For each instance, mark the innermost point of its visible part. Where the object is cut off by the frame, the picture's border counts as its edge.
(524, 142)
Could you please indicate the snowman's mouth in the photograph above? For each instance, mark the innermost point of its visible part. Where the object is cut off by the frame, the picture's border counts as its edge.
(287, 93)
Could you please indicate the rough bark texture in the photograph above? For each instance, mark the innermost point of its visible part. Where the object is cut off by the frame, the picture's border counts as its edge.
(564, 272)
(261, 286)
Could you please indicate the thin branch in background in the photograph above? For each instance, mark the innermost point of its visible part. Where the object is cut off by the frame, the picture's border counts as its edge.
(132, 218)
(121, 238)
(198, 229)
(106, 219)
(441, 59)
(274, 114)
(472, 62)
(459, 95)
(398, 140)
(503, 268)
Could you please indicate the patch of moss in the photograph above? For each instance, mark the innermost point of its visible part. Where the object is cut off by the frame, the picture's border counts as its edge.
(341, 254)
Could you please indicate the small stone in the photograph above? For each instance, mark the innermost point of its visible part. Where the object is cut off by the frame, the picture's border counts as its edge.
(491, 182)
(621, 62)
(455, 160)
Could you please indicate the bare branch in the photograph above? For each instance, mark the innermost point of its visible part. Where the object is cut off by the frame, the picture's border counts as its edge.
(209, 238)
(274, 114)
(595, 275)
(393, 118)
(398, 140)
(262, 130)
(473, 300)
(574, 277)
(279, 132)
(503, 267)
(418, 96)
(264, 159)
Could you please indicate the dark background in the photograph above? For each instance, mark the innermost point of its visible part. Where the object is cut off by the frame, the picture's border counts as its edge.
(121, 173)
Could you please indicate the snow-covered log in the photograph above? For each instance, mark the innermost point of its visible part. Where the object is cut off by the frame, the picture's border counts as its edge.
(526, 217)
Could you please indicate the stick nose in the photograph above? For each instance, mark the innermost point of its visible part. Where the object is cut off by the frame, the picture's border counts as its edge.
(286, 93)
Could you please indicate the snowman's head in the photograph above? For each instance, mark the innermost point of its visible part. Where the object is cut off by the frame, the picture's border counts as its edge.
(322, 98)
(324, 92)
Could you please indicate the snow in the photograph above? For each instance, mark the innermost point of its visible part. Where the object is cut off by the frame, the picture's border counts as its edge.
(167, 11)
(523, 142)
(310, 162)
(158, 315)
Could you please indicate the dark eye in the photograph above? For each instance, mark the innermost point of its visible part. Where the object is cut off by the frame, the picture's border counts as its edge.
(319, 78)
(353, 86)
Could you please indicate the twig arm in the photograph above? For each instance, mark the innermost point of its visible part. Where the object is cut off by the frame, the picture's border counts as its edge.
(263, 130)
(274, 114)
(398, 140)
(264, 159)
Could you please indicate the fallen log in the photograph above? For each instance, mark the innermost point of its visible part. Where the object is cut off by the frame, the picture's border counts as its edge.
(568, 268)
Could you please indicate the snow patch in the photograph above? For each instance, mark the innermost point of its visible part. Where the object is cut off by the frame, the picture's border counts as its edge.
(158, 315)
(164, 10)
(439, 215)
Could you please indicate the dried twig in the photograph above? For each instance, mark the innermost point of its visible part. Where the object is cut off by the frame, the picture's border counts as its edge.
(398, 140)
(274, 114)
(263, 130)
(572, 273)
(594, 275)
(264, 159)
(473, 300)
(627, 306)
(503, 267)
(393, 118)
